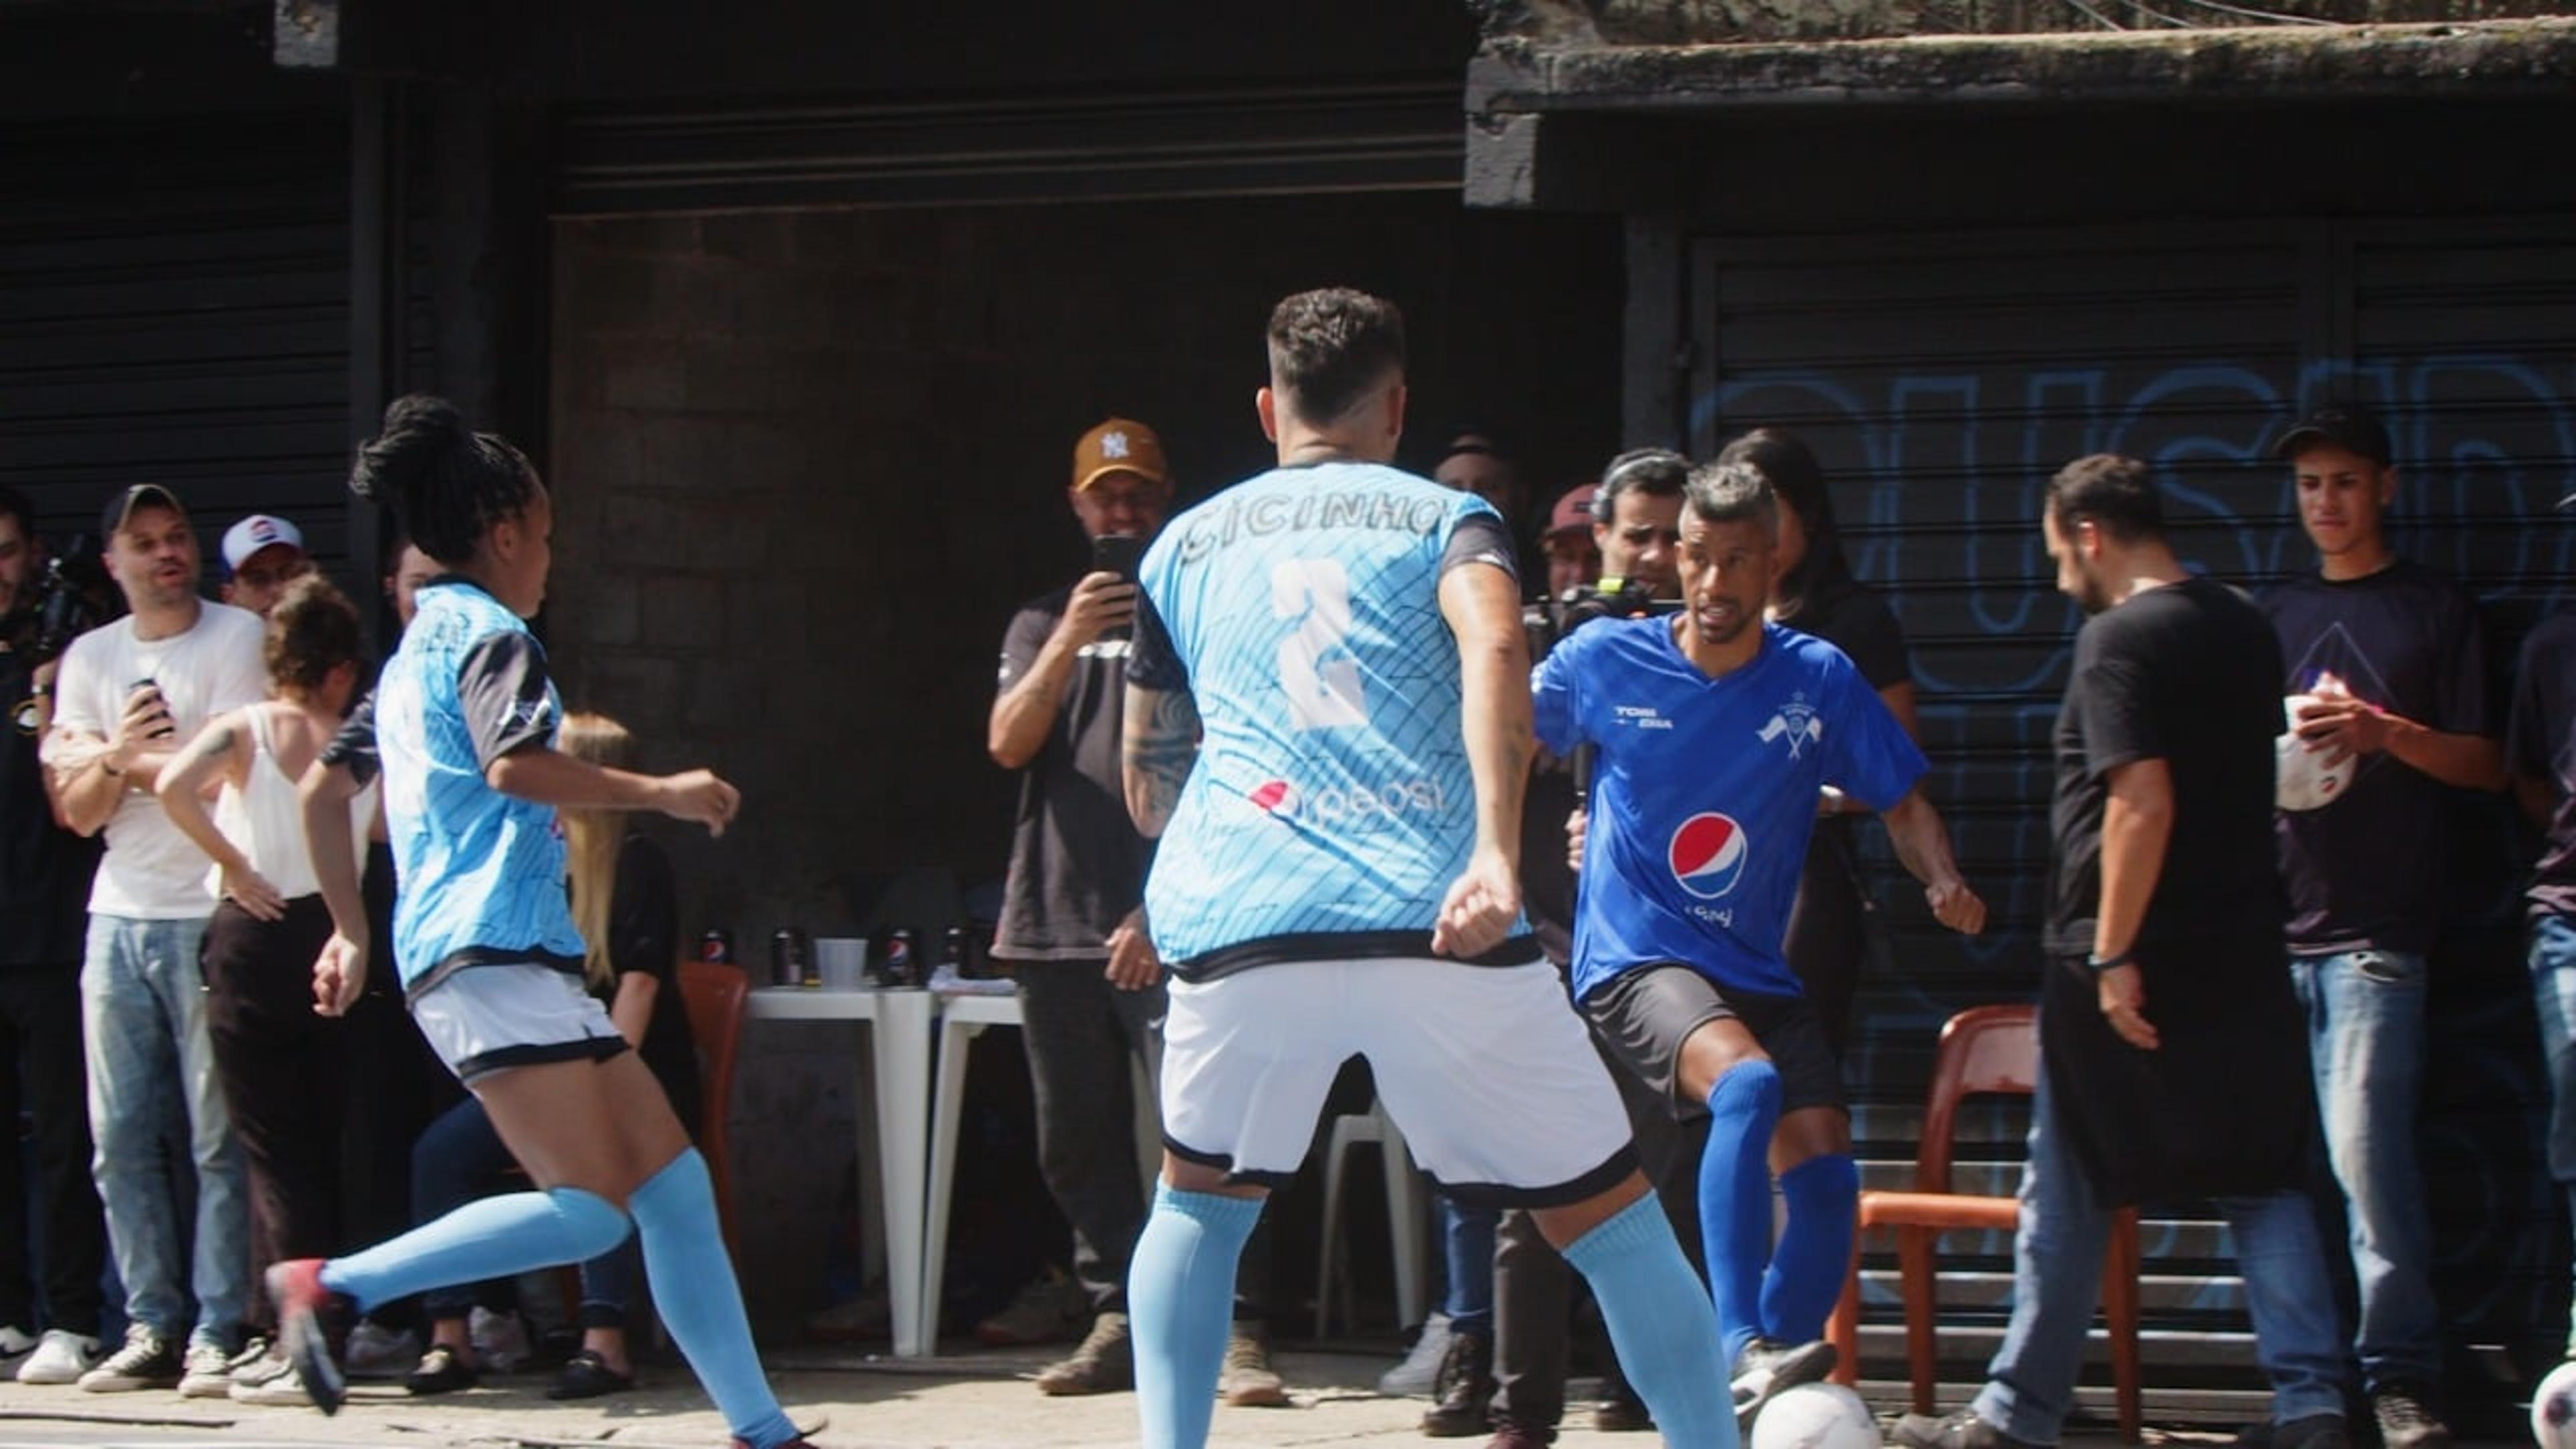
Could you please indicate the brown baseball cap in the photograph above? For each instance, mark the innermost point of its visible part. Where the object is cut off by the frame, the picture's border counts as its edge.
(1119, 446)
(1573, 512)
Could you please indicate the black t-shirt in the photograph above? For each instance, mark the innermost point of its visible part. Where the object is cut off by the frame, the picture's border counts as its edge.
(1855, 620)
(2189, 674)
(2367, 871)
(644, 935)
(44, 869)
(2541, 743)
(355, 744)
(1077, 861)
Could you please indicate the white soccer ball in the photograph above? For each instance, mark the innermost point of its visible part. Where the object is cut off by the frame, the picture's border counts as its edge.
(2302, 780)
(1815, 1416)
(2553, 1408)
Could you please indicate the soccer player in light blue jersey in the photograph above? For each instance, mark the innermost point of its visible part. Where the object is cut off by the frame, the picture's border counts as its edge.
(1715, 731)
(484, 939)
(1328, 727)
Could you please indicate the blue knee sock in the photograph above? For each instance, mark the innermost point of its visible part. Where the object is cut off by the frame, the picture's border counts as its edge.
(493, 1237)
(694, 1291)
(1660, 1322)
(1180, 1299)
(1735, 1197)
(1814, 1255)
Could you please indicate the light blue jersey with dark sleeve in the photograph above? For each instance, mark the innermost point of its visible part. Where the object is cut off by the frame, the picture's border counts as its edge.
(479, 875)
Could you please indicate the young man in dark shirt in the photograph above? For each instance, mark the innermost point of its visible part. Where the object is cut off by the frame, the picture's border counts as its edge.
(2540, 747)
(1091, 990)
(2172, 1062)
(2386, 669)
(44, 881)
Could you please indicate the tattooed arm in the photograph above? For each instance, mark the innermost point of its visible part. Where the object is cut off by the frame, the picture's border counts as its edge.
(1161, 744)
(220, 752)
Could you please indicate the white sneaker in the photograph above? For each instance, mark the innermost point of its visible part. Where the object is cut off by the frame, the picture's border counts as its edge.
(270, 1381)
(500, 1340)
(377, 1352)
(1412, 1378)
(206, 1371)
(61, 1357)
(145, 1362)
(15, 1342)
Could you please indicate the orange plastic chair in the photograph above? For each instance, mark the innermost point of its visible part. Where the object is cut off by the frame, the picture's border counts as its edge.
(1984, 1050)
(715, 995)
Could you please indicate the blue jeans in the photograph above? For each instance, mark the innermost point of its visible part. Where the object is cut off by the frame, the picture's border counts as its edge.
(456, 1160)
(2366, 1038)
(151, 1079)
(2057, 1279)
(2553, 988)
(1467, 1251)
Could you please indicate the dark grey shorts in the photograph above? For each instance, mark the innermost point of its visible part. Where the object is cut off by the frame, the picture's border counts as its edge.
(1642, 1017)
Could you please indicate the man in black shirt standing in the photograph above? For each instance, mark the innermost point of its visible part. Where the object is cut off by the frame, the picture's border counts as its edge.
(1091, 990)
(44, 891)
(2540, 744)
(2172, 1061)
(2387, 671)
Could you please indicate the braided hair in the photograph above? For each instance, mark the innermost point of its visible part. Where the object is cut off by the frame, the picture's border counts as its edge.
(446, 483)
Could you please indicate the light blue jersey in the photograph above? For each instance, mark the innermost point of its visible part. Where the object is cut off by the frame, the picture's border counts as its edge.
(1331, 805)
(480, 875)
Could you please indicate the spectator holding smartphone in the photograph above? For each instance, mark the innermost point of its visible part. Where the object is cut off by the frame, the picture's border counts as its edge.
(130, 693)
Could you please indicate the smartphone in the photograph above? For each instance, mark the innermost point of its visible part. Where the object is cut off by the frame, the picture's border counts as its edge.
(147, 682)
(1117, 553)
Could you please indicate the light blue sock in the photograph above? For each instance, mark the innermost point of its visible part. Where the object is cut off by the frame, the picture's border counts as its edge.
(492, 1237)
(694, 1291)
(1814, 1254)
(1180, 1300)
(1660, 1322)
(1735, 1197)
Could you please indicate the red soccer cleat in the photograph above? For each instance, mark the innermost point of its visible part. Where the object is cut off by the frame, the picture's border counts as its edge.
(307, 1312)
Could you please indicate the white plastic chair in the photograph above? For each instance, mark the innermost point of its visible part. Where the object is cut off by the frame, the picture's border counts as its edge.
(1404, 1213)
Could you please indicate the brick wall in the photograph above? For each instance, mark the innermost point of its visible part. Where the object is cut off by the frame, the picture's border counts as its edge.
(807, 463)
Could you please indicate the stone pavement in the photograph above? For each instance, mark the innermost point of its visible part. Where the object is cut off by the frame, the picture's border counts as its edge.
(965, 1401)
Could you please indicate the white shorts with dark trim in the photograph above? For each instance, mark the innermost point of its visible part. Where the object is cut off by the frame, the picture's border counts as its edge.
(483, 1019)
(1487, 1071)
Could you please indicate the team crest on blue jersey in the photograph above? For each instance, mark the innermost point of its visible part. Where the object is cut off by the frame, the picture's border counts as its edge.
(1795, 722)
(1708, 852)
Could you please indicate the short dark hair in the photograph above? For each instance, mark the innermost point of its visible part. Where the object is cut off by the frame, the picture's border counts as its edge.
(313, 630)
(1655, 472)
(14, 504)
(1733, 493)
(2117, 495)
(1328, 347)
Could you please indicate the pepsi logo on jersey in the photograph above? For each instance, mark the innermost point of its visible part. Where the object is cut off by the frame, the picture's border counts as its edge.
(1707, 854)
(1358, 806)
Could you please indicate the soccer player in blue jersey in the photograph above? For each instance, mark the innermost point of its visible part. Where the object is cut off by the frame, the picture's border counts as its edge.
(1714, 731)
(1328, 727)
(484, 938)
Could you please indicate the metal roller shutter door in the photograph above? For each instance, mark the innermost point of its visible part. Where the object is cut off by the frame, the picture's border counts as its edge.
(1941, 380)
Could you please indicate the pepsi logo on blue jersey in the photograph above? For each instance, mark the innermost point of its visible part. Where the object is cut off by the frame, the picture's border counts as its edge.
(1704, 792)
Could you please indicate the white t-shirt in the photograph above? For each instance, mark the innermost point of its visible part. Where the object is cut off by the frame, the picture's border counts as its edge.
(151, 872)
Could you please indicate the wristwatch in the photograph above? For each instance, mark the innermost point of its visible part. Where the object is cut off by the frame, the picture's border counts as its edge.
(2099, 964)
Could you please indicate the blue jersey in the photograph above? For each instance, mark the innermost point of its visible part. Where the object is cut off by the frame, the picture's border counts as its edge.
(480, 875)
(1704, 792)
(1331, 805)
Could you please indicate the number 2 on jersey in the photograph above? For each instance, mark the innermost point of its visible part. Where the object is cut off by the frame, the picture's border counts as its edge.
(1322, 693)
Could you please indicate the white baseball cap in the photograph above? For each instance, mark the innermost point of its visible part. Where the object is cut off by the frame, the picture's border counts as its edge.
(257, 532)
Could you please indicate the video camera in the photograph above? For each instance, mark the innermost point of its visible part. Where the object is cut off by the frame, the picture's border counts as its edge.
(1548, 621)
(62, 604)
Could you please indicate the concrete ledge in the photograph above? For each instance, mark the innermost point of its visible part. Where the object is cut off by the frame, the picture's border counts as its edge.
(2485, 58)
